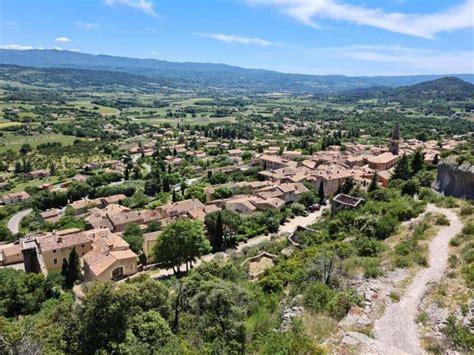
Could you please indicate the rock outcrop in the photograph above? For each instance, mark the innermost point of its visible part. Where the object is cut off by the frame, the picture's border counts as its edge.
(455, 179)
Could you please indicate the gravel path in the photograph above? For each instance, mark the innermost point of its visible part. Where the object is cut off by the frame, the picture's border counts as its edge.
(397, 327)
(14, 222)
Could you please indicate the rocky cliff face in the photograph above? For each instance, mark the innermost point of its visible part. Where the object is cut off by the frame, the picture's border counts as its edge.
(454, 179)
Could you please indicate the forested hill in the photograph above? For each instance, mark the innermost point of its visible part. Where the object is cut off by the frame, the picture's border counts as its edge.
(443, 89)
(78, 78)
(448, 88)
(205, 75)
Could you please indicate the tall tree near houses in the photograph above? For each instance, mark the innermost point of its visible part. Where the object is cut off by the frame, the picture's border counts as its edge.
(74, 269)
(373, 183)
(402, 169)
(219, 235)
(174, 198)
(321, 194)
(417, 162)
(65, 269)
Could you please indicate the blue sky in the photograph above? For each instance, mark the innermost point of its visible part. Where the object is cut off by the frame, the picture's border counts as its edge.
(348, 37)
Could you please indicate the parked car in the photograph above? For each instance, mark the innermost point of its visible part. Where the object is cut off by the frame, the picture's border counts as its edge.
(314, 208)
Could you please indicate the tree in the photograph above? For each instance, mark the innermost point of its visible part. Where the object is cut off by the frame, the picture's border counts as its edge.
(373, 183)
(417, 162)
(410, 187)
(25, 149)
(150, 330)
(100, 323)
(65, 269)
(5, 234)
(196, 191)
(272, 224)
(436, 160)
(222, 226)
(173, 197)
(348, 185)
(153, 226)
(307, 198)
(134, 237)
(78, 190)
(321, 194)
(402, 169)
(73, 270)
(220, 309)
(181, 243)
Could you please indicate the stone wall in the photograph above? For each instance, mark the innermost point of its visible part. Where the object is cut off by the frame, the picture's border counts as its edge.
(454, 179)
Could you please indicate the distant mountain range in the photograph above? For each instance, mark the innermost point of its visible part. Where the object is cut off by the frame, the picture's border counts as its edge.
(443, 89)
(207, 76)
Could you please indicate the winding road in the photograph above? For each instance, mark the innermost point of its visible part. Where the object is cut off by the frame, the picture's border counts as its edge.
(14, 222)
(397, 327)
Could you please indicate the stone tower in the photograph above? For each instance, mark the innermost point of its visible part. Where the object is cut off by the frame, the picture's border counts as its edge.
(395, 139)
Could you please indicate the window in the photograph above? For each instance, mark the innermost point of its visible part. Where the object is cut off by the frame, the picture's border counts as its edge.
(82, 246)
(54, 250)
(55, 261)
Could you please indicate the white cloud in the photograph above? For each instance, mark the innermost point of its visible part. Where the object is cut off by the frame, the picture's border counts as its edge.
(421, 25)
(154, 53)
(57, 48)
(17, 47)
(143, 5)
(236, 39)
(63, 39)
(87, 25)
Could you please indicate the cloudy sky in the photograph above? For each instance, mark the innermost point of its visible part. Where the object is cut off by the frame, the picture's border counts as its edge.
(350, 37)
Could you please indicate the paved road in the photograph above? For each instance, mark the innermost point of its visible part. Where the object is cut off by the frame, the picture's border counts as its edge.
(288, 227)
(397, 327)
(14, 222)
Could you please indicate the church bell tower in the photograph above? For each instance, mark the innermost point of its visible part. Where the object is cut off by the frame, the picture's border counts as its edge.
(395, 139)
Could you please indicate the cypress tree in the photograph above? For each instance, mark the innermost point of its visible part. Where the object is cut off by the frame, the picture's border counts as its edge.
(65, 269)
(74, 269)
(373, 183)
(321, 192)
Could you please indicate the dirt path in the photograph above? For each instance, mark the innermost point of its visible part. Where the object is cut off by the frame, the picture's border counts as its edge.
(397, 327)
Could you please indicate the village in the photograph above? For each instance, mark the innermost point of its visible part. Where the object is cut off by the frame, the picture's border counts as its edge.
(283, 178)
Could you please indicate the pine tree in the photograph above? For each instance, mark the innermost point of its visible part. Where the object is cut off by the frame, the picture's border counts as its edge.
(74, 269)
(402, 169)
(373, 183)
(417, 162)
(321, 192)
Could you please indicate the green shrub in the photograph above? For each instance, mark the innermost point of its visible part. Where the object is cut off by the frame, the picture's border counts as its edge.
(317, 296)
(468, 272)
(468, 229)
(341, 304)
(461, 336)
(467, 210)
(442, 220)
